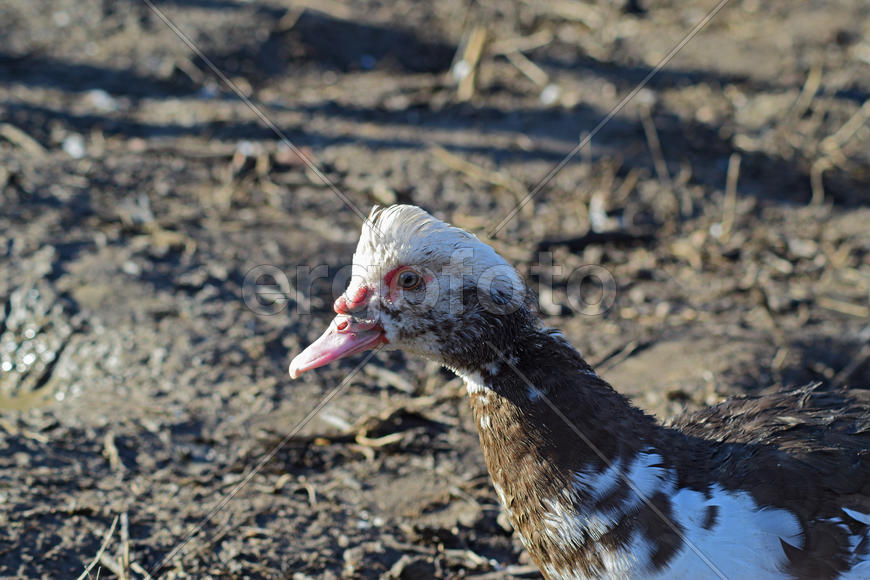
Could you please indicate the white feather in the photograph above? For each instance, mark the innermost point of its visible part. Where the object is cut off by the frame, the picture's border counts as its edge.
(858, 516)
(744, 542)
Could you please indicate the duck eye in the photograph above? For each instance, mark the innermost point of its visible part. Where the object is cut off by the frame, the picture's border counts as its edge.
(409, 280)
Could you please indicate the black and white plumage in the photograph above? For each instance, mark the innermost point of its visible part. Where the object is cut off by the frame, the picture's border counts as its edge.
(765, 487)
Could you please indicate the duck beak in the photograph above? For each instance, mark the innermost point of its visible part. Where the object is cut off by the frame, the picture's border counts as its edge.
(344, 337)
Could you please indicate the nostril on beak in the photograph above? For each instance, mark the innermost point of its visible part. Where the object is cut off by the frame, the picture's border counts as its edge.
(342, 325)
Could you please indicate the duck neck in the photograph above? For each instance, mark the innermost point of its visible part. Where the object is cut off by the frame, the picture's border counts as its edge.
(542, 385)
(560, 445)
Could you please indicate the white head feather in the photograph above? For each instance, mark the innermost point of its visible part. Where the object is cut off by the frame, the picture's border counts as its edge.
(407, 235)
(451, 260)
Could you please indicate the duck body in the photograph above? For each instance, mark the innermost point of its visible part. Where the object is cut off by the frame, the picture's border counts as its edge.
(736, 491)
(766, 487)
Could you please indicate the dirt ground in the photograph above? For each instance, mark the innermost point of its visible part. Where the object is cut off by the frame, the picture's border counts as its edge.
(730, 200)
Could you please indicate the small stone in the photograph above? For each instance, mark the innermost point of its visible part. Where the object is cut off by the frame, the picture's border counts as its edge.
(61, 18)
(131, 268)
(74, 146)
(461, 70)
(802, 248)
(550, 95)
(101, 100)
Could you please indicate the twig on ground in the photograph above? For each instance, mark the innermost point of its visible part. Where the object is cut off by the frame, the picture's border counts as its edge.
(111, 452)
(628, 184)
(618, 356)
(588, 15)
(125, 547)
(289, 20)
(655, 146)
(843, 307)
(192, 71)
(390, 378)
(808, 92)
(137, 567)
(17, 136)
(661, 166)
(531, 71)
(478, 173)
(729, 206)
(363, 439)
(832, 154)
(842, 377)
(465, 70)
(105, 544)
(849, 128)
(467, 556)
(521, 43)
(111, 564)
(303, 484)
(816, 182)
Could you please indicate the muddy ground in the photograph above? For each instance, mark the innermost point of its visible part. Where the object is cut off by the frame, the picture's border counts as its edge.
(138, 190)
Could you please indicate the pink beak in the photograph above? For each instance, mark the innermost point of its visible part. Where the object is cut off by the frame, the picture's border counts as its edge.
(344, 336)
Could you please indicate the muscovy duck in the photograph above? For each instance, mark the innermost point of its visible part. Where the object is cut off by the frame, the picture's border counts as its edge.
(776, 486)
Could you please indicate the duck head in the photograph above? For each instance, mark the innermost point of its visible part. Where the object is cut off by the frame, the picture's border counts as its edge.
(423, 286)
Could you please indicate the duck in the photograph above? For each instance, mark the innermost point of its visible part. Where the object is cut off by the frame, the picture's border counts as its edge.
(772, 486)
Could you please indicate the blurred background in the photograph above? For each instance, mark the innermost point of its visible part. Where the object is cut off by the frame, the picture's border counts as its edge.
(730, 200)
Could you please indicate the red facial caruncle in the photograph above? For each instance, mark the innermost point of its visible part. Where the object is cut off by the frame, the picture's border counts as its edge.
(351, 331)
(360, 299)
